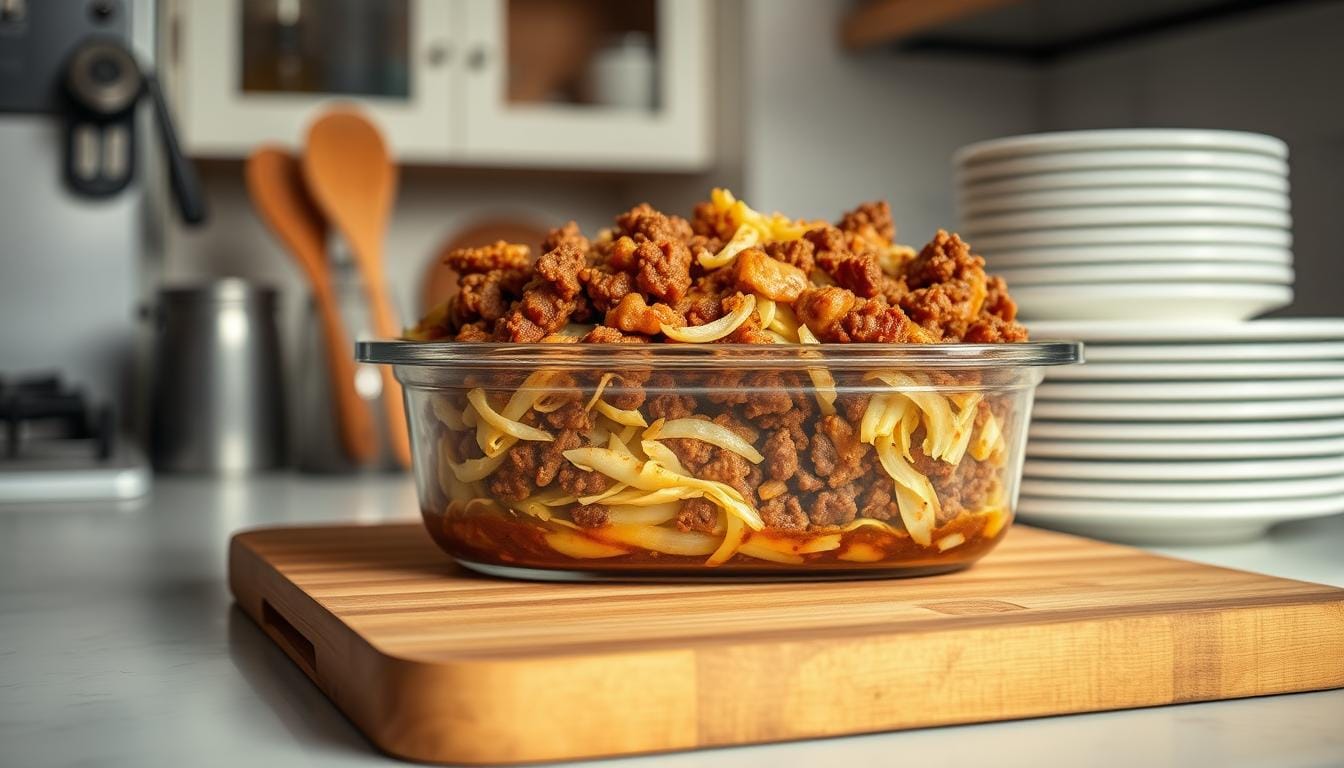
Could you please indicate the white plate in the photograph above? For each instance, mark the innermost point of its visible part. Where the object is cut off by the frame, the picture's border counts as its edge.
(1187, 253)
(1215, 410)
(1185, 522)
(1142, 372)
(1186, 431)
(1209, 490)
(1123, 215)
(1121, 138)
(1229, 235)
(1148, 272)
(1284, 350)
(1144, 391)
(1151, 301)
(1127, 177)
(1184, 451)
(1117, 196)
(1184, 470)
(1275, 329)
(1121, 159)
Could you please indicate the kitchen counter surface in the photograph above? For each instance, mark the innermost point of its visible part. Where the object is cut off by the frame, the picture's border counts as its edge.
(119, 645)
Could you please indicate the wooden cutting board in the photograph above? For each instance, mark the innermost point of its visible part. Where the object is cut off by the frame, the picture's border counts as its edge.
(436, 664)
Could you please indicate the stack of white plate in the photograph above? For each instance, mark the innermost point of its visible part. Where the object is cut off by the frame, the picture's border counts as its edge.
(1158, 224)
(1188, 432)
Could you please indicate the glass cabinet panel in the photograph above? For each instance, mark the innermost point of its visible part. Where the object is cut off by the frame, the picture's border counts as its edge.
(247, 72)
(335, 47)
(617, 84)
(599, 53)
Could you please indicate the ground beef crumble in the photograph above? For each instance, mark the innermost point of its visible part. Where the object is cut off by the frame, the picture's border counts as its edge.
(590, 515)
(697, 515)
(835, 507)
(498, 255)
(848, 283)
(785, 513)
(781, 456)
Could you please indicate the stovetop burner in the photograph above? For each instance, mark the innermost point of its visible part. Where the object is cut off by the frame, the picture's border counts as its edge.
(42, 409)
(61, 446)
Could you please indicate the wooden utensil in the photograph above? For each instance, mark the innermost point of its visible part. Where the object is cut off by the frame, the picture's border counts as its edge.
(276, 186)
(480, 668)
(352, 179)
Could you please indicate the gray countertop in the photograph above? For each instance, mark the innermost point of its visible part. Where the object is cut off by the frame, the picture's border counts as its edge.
(119, 645)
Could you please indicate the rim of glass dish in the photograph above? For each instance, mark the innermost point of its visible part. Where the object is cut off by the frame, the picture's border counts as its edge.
(487, 356)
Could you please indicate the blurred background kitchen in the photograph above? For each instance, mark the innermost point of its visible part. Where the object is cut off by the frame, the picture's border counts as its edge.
(176, 262)
(506, 117)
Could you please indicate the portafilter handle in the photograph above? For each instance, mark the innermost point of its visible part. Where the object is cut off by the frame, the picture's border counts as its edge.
(181, 173)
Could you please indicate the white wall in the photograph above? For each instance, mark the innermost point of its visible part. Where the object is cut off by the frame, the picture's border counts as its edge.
(827, 129)
(1279, 72)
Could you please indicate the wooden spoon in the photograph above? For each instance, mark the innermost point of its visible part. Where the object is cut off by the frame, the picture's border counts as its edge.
(353, 181)
(276, 187)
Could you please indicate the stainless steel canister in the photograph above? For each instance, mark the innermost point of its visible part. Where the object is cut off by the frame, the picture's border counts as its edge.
(217, 394)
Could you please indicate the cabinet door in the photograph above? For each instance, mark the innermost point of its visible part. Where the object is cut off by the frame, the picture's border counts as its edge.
(252, 71)
(558, 83)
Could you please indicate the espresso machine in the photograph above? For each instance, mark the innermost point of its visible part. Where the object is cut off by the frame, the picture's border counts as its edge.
(84, 136)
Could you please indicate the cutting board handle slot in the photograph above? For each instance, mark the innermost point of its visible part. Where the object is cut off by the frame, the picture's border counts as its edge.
(298, 647)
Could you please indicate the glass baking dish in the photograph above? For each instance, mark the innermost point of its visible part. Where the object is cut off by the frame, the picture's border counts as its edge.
(625, 461)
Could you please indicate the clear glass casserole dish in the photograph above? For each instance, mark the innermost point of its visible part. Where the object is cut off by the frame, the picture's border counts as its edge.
(671, 460)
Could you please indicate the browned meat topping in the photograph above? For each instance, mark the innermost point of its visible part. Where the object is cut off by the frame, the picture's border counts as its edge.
(837, 315)
(822, 309)
(605, 334)
(569, 235)
(652, 273)
(632, 315)
(560, 269)
(644, 274)
(871, 222)
(473, 332)
(664, 269)
(498, 255)
(644, 222)
(606, 288)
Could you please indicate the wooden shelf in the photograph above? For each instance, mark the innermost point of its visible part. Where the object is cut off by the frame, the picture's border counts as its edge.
(883, 21)
(1031, 30)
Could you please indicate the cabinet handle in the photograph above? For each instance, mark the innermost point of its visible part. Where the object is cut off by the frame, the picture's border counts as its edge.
(438, 54)
(478, 58)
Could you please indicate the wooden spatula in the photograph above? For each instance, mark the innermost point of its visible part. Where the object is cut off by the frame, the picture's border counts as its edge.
(275, 184)
(352, 179)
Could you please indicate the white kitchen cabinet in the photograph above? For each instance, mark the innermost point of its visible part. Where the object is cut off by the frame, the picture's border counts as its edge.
(499, 83)
(246, 72)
